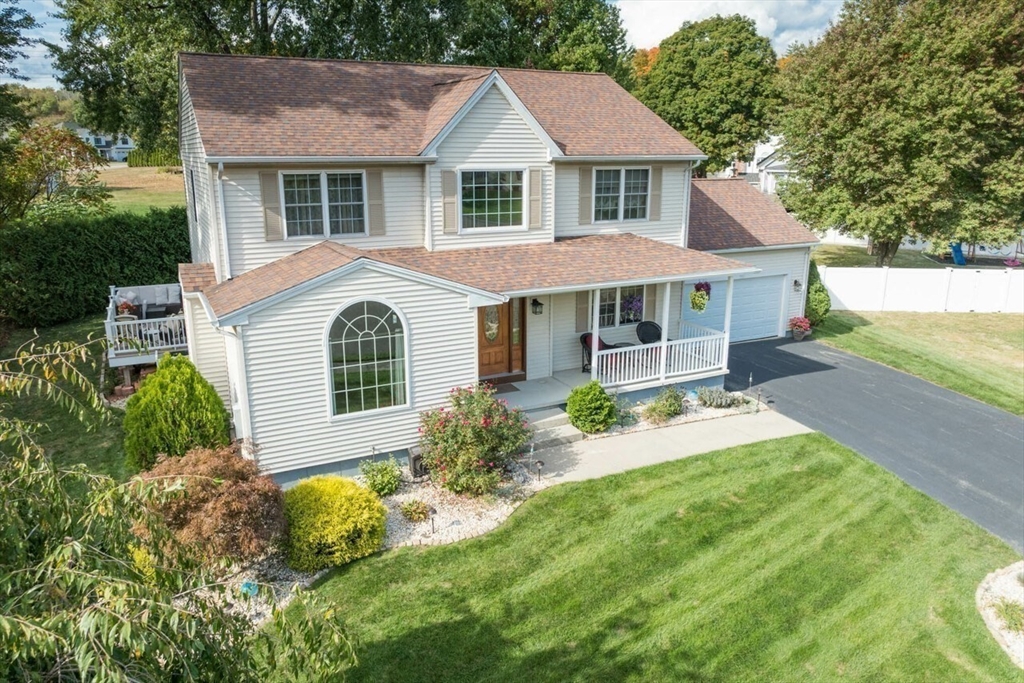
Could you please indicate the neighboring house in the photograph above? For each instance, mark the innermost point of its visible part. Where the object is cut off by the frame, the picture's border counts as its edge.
(110, 147)
(367, 236)
(771, 170)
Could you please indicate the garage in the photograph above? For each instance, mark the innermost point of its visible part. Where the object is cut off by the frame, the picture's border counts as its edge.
(756, 308)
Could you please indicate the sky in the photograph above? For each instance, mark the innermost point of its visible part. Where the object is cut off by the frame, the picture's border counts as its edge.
(647, 23)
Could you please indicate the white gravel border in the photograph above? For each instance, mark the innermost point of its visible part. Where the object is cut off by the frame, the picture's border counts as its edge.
(694, 412)
(1003, 584)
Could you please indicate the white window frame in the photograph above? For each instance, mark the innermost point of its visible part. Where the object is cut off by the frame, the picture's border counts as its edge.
(495, 169)
(324, 204)
(618, 307)
(622, 194)
(329, 364)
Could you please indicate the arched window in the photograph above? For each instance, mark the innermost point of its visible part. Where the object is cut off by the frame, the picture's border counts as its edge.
(366, 348)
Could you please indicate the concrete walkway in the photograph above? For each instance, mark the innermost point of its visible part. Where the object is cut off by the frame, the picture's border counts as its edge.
(595, 458)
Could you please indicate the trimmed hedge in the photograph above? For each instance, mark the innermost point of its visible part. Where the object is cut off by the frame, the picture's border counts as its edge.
(60, 272)
(138, 158)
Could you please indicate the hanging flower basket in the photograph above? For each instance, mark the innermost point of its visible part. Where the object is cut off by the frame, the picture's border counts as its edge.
(700, 296)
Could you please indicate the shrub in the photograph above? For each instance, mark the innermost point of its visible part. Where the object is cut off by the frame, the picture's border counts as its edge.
(383, 477)
(590, 408)
(174, 411)
(468, 445)
(60, 272)
(415, 510)
(818, 302)
(624, 414)
(228, 509)
(1012, 615)
(331, 521)
(666, 405)
(717, 398)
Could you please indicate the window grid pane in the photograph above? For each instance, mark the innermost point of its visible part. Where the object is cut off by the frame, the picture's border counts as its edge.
(606, 308)
(606, 195)
(492, 199)
(635, 196)
(345, 203)
(631, 304)
(367, 347)
(303, 207)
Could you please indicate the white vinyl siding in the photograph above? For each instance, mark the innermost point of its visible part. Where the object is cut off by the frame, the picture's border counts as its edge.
(286, 371)
(779, 268)
(207, 349)
(492, 136)
(403, 212)
(674, 182)
(202, 224)
(538, 339)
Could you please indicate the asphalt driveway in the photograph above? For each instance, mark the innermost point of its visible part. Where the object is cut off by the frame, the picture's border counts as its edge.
(964, 453)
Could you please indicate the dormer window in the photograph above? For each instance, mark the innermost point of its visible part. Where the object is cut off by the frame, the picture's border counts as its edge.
(621, 194)
(324, 204)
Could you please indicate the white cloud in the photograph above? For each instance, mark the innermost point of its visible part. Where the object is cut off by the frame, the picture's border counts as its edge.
(785, 22)
(36, 65)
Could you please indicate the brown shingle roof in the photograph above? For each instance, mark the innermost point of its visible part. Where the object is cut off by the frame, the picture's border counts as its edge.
(576, 262)
(730, 213)
(195, 277)
(266, 106)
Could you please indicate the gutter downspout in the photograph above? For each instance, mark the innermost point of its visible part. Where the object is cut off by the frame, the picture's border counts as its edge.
(223, 219)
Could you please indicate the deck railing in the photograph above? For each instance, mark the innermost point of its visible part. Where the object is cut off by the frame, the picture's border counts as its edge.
(644, 364)
(146, 336)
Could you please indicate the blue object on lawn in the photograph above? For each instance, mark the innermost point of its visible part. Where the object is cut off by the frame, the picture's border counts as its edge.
(691, 395)
(249, 589)
(958, 254)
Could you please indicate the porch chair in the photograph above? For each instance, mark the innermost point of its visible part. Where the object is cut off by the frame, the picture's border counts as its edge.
(649, 332)
(601, 346)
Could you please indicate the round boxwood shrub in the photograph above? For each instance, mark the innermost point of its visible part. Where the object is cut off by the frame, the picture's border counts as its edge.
(590, 408)
(331, 521)
(174, 411)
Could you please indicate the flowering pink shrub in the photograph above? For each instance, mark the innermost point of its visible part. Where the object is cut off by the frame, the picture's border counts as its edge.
(468, 445)
(800, 323)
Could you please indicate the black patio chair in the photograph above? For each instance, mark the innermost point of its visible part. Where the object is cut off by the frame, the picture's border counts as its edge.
(601, 346)
(649, 332)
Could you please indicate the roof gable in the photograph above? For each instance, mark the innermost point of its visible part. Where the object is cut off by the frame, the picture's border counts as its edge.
(730, 213)
(256, 107)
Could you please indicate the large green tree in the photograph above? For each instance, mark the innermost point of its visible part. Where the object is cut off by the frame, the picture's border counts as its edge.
(714, 82)
(120, 54)
(907, 118)
(14, 22)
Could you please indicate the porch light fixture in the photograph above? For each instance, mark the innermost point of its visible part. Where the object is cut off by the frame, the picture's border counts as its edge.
(797, 285)
(537, 307)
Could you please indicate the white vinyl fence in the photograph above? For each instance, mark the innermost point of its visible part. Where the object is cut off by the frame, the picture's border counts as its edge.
(925, 290)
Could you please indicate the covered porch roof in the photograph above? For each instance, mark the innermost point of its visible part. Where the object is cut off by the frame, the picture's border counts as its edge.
(568, 264)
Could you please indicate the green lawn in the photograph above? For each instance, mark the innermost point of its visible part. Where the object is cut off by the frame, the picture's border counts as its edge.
(97, 442)
(787, 560)
(851, 256)
(977, 354)
(140, 189)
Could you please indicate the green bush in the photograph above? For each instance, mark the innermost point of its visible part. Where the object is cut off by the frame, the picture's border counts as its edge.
(818, 301)
(590, 408)
(717, 398)
(174, 411)
(156, 157)
(383, 477)
(469, 445)
(415, 510)
(331, 521)
(666, 405)
(1012, 615)
(60, 272)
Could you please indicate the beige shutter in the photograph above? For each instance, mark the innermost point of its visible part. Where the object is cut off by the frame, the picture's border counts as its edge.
(586, 200)
(582, 312)
(375, 202)
(449, 192)
(536, 194)
(273, 226)
(651, 302)
(654, 213)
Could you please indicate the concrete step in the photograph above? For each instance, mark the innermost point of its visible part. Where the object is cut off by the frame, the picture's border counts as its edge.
(559, 435)
(547, 417)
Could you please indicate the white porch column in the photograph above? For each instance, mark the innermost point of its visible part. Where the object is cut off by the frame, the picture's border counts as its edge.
(663, 362)
(728, 322)
(595, 320)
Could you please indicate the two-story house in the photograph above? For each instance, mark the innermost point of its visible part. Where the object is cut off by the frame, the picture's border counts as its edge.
(367, 236)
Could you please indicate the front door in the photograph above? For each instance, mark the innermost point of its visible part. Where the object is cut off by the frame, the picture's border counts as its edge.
(501, 342)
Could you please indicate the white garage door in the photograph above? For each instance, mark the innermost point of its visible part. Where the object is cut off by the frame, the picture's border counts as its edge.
(756, 308)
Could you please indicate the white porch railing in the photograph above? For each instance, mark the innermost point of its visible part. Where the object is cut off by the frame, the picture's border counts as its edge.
(146, 336)
(701, 353)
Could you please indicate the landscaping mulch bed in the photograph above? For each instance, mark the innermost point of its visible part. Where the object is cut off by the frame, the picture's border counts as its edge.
(1003, 584)
(692, 412)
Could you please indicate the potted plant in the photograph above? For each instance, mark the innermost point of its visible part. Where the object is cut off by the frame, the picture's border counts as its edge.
(700, 296)
(801, 327)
